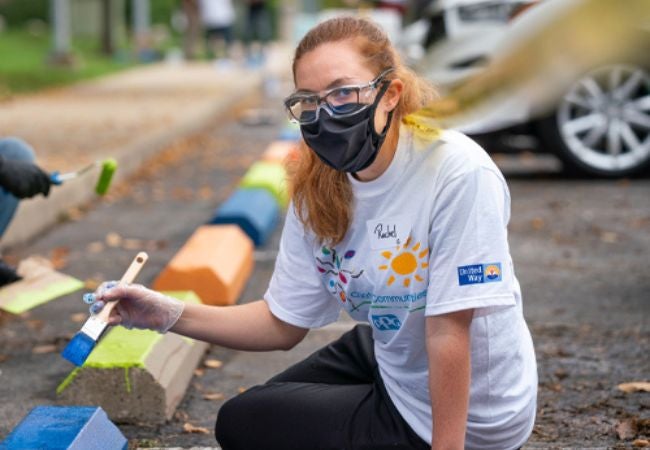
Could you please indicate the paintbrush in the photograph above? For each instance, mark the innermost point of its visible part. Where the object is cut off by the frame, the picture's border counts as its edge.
(108, 169)
(84, 341)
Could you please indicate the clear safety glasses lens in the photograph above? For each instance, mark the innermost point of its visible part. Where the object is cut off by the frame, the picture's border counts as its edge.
(339, 102)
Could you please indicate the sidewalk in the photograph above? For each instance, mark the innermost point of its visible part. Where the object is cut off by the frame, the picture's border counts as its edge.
(129, 116)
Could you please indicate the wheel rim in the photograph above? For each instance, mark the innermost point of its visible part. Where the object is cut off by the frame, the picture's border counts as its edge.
(604, 119)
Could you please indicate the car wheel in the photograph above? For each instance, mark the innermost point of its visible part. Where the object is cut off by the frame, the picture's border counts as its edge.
(601, 126)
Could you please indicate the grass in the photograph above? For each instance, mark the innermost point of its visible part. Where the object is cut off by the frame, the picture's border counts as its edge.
(24, 67)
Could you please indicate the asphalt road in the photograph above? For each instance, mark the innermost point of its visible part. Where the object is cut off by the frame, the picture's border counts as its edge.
(580, 249)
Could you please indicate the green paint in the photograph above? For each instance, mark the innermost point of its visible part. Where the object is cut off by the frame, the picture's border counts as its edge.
(31, 298)
(269, 176)
(65, 383)
(123, 348)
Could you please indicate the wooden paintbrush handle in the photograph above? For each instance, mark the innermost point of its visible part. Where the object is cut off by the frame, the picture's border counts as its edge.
(128, 277)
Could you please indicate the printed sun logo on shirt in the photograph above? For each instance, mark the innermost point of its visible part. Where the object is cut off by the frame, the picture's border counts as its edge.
(404, 263)
(330, 265)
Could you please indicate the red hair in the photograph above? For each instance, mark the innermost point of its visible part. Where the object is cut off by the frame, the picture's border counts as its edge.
(322, 196)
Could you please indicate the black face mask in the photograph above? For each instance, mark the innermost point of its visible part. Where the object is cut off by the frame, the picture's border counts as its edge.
(348, 144)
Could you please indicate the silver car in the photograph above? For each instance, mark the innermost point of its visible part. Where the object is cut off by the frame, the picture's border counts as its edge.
(599, 121)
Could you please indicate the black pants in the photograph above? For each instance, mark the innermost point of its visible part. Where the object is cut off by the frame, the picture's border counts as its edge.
(333, 400)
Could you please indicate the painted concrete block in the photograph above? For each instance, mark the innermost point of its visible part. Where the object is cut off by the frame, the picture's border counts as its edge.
(215, 263)
(268, 175)
(281, 152)
(136, 376)
(254, 210)
(65, 427)
(290, 132)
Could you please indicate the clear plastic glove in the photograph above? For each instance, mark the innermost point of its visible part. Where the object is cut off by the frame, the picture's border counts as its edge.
(138, 306)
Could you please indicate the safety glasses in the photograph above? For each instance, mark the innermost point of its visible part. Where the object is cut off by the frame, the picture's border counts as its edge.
(303, 108)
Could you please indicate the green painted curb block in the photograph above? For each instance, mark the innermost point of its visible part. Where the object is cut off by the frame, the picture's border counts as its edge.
(124, 348)
(31, 299)
(270, 176)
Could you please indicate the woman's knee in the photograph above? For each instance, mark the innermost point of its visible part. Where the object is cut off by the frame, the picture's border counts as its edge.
(16, 149)
(233, 421)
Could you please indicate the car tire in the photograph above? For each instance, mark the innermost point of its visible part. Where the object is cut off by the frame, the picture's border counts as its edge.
(601, 126)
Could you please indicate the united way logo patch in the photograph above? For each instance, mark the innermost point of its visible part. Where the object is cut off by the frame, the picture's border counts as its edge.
(479, 274)
(386, 322)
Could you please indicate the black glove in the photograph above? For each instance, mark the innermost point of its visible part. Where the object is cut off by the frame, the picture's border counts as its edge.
(23, 179)
(7, 274)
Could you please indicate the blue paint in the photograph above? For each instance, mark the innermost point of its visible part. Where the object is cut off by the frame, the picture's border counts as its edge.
(89, 298)
(78, 348)
(256, 211)
(289, 133)
(65, 427)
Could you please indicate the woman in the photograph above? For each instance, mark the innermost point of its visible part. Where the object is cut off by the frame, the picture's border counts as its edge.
(407, 235)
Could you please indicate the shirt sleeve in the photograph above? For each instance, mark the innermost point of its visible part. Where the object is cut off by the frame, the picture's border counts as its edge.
(470, 265)
(296, 294)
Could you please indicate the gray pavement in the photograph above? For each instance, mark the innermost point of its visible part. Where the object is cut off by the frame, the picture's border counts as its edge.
(580, 249)
(129, 116)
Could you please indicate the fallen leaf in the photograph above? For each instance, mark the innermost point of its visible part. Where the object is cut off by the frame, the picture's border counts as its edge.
(641, 443)
(215, 396)
(78, 317)
(46, 348)
(59, 257)
(241, 389)
(181, 416)
(113, 239)
(132, 244)
(35, 324)
(92, 283)
(635, 386)
(609, 237)
(537, 223)
(189, 428)
(626, 429)
(212, 363)
(95, 247)
(199, 372)
(3, 358)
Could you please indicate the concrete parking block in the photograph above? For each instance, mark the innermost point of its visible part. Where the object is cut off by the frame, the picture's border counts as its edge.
(254, 210)
(281, 151)
(268, 175)
(136, 376)
(65, 427)
(215, 263)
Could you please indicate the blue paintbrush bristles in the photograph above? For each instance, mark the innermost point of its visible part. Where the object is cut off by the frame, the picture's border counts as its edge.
(78, 348)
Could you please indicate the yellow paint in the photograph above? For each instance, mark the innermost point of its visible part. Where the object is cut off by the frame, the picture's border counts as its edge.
(404, 263)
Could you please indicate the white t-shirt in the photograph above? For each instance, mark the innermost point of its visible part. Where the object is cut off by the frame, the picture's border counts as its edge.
(428, 237)
(217, 13)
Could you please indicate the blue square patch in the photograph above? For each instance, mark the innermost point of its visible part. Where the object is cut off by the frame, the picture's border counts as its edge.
(479, 274)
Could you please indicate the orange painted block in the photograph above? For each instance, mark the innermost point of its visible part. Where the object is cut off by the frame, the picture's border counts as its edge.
(215, 263)
(281, 151)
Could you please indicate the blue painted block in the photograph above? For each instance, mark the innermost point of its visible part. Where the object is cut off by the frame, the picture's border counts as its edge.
(256, 211)
(65, 427)
(290, 132)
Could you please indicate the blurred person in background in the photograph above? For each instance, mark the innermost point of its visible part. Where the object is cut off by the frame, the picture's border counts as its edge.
(20, 178)
(218, 19)
(404, 227)
(192, 27)
(258, 31)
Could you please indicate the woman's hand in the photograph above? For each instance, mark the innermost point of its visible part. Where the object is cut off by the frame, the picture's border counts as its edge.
(137, 306)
